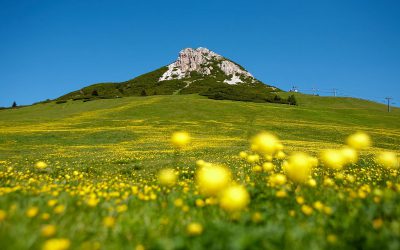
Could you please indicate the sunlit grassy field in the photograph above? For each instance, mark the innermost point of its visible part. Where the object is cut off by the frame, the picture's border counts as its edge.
(99, 187)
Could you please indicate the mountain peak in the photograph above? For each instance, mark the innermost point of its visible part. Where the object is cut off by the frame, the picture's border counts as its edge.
(195, 71)
(206, 63)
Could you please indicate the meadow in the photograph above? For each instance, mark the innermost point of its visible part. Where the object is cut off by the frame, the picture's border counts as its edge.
(86, 175)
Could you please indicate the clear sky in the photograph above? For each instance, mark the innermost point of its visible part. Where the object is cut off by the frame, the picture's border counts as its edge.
(49, 48)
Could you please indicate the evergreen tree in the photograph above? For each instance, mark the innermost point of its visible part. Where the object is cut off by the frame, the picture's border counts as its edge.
(14, 105)
(143, 93)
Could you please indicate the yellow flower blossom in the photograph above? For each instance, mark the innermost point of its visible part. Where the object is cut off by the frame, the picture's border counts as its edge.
(167, 177)
(41, 165)
(387, 159)
(109, 221)
(180, 139)
(212, 179)
(3, 215)
(32, 212)
(48, 230)
(333, 159)
(57, 244)
(234, 198)
(307, 210)
(359, 140)
(265, 143)
(298, 168)
(194, 229)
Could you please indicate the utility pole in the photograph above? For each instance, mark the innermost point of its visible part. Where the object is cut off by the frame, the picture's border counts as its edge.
(334, 91)
(388, 102)
(315, 91)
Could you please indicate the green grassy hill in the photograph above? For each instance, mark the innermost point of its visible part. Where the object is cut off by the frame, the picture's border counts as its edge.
(99, 189)
(198, 71)
(134, 127)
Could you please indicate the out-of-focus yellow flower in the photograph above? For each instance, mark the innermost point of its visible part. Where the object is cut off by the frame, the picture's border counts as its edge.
(212, 179)
(48, 230)
(52, 202)
(307, 210)
(333, 159)
(268, 166)
(268, 157)
(122, 208)
(312, 183)
(57, 244)
(331, 238)
(256, 217)
(257, 169)
(92, 201)
(266, 143)
(281, 193)
(243, 155)
(350, 155)
(200, 163)
(280, 155)
(200, 203)
(32, 212)
(277, 179)
(328, 210)
(178, 202)
(3, 215)
(45, 216)
(298, 168)
(359, 140)
(234, 198)
(194, 229)
(377, 223)
(167, 177)
(59, 209)
(318, 205)
(387, 159)
(180, 139)
(109, 221)
(300, 200)
(253, 158)
(140, 247)
(41, 165)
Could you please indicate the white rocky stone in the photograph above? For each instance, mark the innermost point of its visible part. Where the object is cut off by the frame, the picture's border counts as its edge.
(199, 60)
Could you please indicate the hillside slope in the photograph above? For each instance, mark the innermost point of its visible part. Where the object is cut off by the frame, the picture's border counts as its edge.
(196, 71)
(103, 132)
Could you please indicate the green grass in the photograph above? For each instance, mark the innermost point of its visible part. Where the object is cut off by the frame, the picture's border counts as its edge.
(126, 140)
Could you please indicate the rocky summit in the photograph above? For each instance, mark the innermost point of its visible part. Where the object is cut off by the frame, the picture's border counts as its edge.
(204, 62)
(195, 71)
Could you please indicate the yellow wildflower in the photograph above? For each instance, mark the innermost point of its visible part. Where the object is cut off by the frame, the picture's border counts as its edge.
(234, 198)
(180, 139)
(57, 244)
(387, 159)
(167, 177)
(212, 179)
(48, 230)
(194, 229)
(41, 165)
(359, 140)
(32, 212)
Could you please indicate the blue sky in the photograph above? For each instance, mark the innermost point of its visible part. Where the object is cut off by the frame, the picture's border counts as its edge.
(49, 48)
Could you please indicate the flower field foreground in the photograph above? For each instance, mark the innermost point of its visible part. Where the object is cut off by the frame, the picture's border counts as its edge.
(268, 198)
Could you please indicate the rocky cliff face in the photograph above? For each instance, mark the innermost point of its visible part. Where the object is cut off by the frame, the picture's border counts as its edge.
(206, 63)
